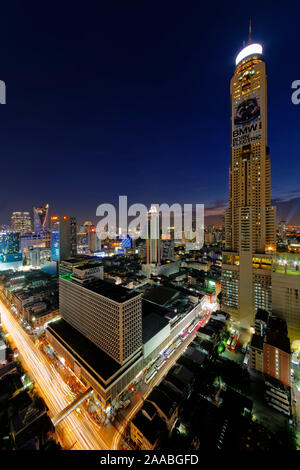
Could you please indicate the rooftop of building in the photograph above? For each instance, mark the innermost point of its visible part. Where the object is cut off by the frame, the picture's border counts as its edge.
(278, 340)
(150, 429)
(77, 260)
(152, 323)
(99, 364)
(183, 272)
(262, 315)
(9, 384)
(204, 344)
(160, 295)
(27, 276)
(173, 381)
(215, 324)
(89, 265)
(49, 308)
(28, 292)
(207, 331)
(189, 291)
(274, 383)
(182, 373)
(220, 316)
(163, 402)
(195, 355)
(287, 263)
(277, 324)
(149, 409)
(166, 388)
(257, 342)
(113, 292)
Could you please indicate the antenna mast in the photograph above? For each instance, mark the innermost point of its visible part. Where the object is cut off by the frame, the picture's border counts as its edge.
(249, 41)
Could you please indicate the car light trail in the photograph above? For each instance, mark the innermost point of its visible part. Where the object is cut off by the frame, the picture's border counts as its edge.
(75, 431)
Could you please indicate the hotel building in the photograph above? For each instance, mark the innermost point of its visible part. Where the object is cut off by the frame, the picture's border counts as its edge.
(250, 230)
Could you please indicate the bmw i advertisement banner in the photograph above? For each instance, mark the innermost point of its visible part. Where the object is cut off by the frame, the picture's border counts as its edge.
(247, 119)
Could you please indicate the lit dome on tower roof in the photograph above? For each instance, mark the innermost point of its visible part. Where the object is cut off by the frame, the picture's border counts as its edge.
(251, 49)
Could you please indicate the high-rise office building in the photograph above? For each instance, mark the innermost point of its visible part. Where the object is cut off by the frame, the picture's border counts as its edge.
(282, 229)
(82, 243)
(21, 222)
(94, 242)
(41, 219)
(108, 315)
(250, 230)
(10, 247)
(34, 240)
(35, 257)
(63, 237)
(167, 249)
(10, 243)
(153, 242)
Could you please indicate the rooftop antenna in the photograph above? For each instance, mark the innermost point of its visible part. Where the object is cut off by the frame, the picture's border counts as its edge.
(249, 41)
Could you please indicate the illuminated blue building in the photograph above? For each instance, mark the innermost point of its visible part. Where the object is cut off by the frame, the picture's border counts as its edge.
(10, 247)
(63, 237)
(126, 243)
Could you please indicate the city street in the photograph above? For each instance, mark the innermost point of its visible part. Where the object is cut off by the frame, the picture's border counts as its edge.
(77, 431)
(140, 397)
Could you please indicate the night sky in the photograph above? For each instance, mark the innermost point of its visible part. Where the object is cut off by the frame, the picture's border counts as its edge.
(132, 98)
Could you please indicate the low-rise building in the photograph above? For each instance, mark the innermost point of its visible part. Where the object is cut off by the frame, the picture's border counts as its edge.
(278, 395)
(257, 353)
(286, 292)
(165, 406)
(277, 354)
(36, 319)
(147, 428)
(271, 353)
(261, 322)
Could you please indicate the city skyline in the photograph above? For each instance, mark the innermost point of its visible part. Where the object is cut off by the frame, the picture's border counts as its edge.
(109, 113)
(150, 230)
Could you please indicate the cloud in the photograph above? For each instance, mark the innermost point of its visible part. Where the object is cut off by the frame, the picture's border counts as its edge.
(217, 208)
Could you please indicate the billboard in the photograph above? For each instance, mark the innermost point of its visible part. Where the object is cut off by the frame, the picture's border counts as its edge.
(247, 119)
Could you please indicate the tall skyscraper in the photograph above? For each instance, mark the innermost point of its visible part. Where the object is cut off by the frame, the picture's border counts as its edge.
(250, 220)
(153, 242)
(21, 222)
(94, 242)
(41, 219)
(63, 237)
